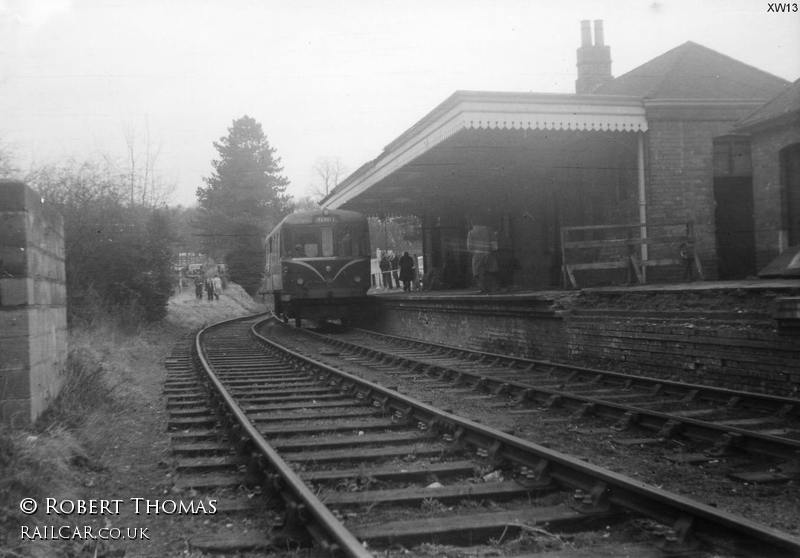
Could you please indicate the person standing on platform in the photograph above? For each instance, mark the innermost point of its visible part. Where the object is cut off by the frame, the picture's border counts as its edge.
(416, 283)
(506, 266)
(479, 244)
(394, 265)
(386, 271)
(406, 271)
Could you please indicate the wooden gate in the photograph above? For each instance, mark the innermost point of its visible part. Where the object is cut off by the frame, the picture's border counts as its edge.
(633, 248)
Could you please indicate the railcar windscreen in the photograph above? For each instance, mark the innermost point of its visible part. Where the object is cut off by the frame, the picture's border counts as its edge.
(313, 241)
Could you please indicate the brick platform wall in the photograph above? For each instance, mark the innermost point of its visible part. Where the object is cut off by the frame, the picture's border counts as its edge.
(531, 328)
(741, 351)
(767, 194)
(33, 322)
(728, 339)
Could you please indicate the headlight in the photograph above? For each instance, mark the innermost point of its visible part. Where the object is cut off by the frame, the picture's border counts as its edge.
(327, 269)
(300, 281)
(357, 279)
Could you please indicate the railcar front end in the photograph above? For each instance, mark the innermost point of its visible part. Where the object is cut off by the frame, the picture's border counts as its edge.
(318, 265)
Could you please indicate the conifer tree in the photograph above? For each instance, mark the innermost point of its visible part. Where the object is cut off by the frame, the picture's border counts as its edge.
(244, 198)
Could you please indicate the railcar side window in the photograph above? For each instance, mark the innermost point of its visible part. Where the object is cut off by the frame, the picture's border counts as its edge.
(351, 240)
(344, 242)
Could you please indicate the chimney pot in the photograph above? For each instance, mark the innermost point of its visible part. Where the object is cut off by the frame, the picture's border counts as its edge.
(586, 33)
(598, 32)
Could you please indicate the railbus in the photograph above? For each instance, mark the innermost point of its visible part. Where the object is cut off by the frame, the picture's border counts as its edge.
(318, 265)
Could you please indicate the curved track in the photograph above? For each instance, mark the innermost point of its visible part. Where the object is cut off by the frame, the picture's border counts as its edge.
(360, 464)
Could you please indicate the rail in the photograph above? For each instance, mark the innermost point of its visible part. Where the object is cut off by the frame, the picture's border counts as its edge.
(346, 544)
(607, 487)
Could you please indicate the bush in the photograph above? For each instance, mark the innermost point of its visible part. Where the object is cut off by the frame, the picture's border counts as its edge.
(246, 267)
(118, 256)
(85, 388)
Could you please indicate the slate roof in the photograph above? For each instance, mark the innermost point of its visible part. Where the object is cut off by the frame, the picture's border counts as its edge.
(692, 71)
(785, 108)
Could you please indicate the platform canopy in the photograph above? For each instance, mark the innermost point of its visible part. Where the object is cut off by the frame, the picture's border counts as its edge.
(475, 144)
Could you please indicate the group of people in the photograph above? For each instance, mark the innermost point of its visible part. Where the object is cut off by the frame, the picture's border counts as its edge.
(211, 286)
(391, 264)
(492, 265)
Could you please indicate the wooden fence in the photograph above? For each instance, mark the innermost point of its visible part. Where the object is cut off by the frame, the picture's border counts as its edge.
(633, 248)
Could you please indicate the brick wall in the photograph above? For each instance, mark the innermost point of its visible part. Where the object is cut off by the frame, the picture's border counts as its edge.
(531, 328)
(680, 175)
(680, 184)
(722, 338)
(33, 324)
(767, 195)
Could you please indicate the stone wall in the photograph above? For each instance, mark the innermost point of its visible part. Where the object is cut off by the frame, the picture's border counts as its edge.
(33, 322)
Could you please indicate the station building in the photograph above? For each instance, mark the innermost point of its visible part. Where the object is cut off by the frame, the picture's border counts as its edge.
(665, 173)
(773, 132)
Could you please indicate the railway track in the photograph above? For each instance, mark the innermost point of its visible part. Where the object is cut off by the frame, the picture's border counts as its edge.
(361, 467)
(205, 470)
(642, 410)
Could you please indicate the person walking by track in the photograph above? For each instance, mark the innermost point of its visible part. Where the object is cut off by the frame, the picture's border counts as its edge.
(217, 283)
(406, 271)
(210, 289)
(198, 288)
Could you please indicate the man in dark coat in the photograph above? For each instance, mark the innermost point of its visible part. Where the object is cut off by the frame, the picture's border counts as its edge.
(198, 288)
(406, 271)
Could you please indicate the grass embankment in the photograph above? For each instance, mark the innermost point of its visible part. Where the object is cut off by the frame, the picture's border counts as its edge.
(105, 436)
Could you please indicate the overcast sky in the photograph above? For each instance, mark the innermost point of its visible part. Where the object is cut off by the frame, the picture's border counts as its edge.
(325, 78)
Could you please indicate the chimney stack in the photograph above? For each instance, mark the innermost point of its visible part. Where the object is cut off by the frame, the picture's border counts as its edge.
(594, 60)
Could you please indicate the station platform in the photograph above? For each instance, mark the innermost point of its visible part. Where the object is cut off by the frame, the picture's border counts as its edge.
(738, 334)
(788, 285)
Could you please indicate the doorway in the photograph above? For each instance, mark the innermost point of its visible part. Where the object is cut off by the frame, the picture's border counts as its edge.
(736, 242)
(790, 179)
(733, 194)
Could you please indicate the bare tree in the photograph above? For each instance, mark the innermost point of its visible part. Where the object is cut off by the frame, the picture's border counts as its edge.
(7, 166)
(304, 203)
(130, 143)
(146, 187)
(330, 171)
